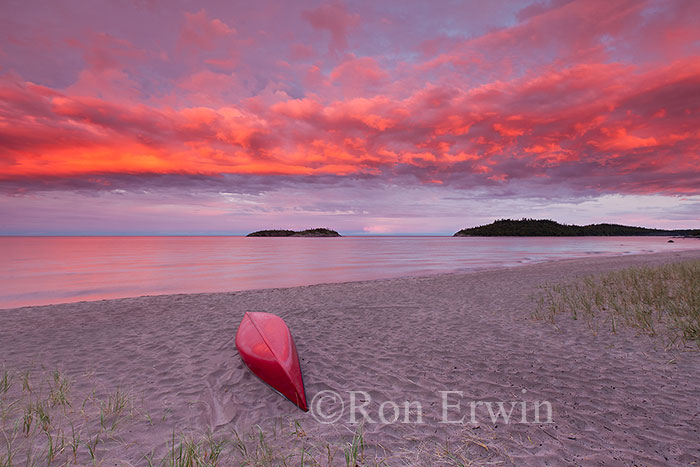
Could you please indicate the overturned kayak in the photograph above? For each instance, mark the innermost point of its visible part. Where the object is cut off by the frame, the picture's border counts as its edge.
(267, 348)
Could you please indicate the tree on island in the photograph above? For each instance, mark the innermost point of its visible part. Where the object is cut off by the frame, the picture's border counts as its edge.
(549, 228)
(318, 232)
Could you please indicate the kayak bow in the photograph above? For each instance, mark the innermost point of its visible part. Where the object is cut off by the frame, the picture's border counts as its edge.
(267, 348)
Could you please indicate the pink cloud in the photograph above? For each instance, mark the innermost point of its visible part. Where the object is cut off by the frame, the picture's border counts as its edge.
(358, 74)
(334, 18)
(211, 88)
(298, 109)
(301, 51)
(515, 104)
(202, 32)
(106, 52)
(524, 128)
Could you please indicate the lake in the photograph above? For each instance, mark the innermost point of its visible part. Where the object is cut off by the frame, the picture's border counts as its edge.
(46, 270)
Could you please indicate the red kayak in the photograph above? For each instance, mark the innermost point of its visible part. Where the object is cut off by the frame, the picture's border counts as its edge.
(267, 348)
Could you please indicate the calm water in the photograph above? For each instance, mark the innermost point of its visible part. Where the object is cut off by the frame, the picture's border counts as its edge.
(43, 270)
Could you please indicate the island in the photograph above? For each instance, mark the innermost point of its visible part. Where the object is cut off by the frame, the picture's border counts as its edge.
(550, 228)
(321, 232)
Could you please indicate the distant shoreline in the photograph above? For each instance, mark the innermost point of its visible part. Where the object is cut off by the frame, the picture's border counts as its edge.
(550, 228)
(322, 232)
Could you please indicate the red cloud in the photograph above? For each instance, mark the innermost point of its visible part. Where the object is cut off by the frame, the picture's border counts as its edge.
(546, 101)
(600, 121)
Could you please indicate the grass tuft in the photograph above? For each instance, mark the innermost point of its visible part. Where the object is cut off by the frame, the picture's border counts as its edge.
(191, 453)
(58, 389)
(40, 426)
(355, 450)
(5, 381)
(658, 301)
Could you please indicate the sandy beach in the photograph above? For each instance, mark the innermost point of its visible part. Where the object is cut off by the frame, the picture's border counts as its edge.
(616, 399)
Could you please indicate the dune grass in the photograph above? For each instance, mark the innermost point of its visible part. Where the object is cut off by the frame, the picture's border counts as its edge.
(45, 422)
(277, 446)
(661, 301)
(287, 446)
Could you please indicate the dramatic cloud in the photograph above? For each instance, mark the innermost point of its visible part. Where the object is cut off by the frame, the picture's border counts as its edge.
(560, 101)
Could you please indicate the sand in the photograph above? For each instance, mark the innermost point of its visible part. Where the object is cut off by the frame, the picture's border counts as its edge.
(617, 399)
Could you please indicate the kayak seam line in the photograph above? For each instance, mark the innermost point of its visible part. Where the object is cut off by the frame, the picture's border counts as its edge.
(267, 343)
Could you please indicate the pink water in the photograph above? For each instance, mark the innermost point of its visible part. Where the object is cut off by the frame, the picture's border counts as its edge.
(44, 270)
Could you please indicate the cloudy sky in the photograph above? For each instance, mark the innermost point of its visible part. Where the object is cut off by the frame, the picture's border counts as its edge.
(367, 117)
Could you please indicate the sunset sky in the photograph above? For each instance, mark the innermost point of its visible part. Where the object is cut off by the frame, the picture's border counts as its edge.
(168, 117)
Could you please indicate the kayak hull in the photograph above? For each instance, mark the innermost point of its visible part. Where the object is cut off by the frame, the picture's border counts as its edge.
(266, 346)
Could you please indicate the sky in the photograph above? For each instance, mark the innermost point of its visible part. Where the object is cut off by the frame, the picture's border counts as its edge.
(370, 118)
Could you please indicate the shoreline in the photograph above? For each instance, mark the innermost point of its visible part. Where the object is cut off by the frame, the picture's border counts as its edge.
(47, 272)
(615, 398)
(590, 257)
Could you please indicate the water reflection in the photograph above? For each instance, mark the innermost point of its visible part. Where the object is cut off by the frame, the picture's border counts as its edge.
(43, 270)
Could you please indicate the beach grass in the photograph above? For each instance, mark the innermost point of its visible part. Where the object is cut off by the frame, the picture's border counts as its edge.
(44, 421)
(662, 301)
(355, 451)
(189, 452)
